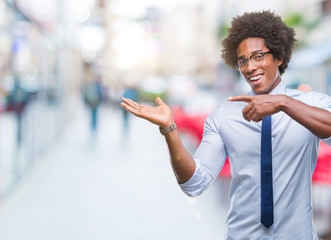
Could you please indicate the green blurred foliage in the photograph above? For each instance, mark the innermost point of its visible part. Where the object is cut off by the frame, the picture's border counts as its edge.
(222, 30)
(146, 96)
(294, 20)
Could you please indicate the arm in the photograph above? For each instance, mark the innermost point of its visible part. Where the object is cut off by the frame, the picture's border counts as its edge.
(182, 162)
(316, 120)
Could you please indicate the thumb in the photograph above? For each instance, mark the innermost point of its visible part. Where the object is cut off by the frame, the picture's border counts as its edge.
(159, 101)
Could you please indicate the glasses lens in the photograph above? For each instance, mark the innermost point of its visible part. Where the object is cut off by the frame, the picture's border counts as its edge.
(241, 63)
(257, 59)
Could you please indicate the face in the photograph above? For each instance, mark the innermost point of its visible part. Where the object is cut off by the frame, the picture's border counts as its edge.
(264, 78)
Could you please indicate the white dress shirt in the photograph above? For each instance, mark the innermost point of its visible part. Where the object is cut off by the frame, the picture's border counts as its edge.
(294, 157)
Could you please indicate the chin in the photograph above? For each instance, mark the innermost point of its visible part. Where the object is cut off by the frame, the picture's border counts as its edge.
(261, 92)
(258, 91)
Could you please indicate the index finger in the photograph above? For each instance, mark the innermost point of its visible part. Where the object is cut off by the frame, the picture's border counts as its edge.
(244, 98)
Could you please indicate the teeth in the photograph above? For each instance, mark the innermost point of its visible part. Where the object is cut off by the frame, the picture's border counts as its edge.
(255, 78)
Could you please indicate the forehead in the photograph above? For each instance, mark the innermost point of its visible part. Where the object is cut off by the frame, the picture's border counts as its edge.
(250, 46)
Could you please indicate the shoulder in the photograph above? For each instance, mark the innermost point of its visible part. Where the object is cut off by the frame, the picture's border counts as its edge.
(226, 111)
(313, 98)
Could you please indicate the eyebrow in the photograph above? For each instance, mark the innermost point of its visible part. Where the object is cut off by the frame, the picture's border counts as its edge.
(252, 53)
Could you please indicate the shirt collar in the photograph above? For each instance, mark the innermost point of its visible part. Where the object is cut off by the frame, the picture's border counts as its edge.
(279, 89)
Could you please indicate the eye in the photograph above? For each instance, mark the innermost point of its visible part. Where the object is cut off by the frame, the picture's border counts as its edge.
(258, 57)
(242, 62)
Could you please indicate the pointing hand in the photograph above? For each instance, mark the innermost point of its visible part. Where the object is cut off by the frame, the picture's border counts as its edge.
(259, 106)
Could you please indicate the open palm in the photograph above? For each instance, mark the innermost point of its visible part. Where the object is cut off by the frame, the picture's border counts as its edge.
(160, 115)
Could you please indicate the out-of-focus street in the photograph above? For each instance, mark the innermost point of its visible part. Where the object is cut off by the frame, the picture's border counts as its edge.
(75, 166)
(115, 187)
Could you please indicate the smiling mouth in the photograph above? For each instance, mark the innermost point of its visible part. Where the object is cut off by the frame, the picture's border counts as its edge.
(255, 80)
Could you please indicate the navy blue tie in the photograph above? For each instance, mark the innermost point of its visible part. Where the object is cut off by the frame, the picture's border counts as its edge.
(267, 212)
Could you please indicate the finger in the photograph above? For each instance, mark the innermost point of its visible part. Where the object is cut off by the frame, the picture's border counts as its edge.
(159, 101)
(248, 111)
(130, 102)
(135, 111)
(124, 105)
(249, 115)
(244, 98)
(256, 117)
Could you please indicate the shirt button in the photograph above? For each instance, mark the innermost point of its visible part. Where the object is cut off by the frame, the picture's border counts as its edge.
(270, 233)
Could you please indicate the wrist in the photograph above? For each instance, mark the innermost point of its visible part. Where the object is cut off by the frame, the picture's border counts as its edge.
(283, 103)
(168, 129)
(167, 123)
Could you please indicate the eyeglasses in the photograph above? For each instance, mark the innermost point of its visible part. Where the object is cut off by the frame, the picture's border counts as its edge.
(256, 59)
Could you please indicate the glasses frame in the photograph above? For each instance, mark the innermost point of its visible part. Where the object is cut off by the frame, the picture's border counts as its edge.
(250, 59)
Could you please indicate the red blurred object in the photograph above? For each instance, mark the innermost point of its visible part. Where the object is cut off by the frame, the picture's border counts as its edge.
(322, 173)
(194, 125)
(189, 123)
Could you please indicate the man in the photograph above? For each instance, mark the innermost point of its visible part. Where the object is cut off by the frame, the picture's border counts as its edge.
(272, 161)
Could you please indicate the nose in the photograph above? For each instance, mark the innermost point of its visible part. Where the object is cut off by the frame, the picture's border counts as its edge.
(250, 67)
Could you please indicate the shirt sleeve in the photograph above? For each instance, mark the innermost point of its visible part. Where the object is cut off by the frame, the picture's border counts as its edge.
(323, 101)
(209, 157)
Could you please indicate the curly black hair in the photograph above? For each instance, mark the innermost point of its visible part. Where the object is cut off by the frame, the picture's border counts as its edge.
(278, 37)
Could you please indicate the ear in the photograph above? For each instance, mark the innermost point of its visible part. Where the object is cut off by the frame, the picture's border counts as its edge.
(280, 62)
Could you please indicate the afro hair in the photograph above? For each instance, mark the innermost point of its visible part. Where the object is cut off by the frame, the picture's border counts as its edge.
(278, 38)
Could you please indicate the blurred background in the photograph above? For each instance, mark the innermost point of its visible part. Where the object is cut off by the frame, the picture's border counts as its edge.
(74, 165)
